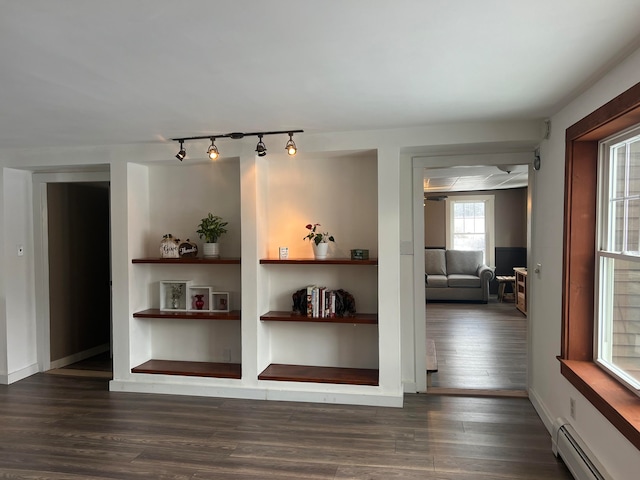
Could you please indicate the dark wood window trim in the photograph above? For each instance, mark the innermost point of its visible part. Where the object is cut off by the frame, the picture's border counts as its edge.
(619, 405)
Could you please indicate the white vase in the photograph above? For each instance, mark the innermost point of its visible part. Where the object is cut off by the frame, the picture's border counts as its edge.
(211, 250)
(320, 250)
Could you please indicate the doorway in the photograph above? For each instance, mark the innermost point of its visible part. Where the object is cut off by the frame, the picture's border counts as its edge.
(79, 275)
(467, 316)
(74, 263)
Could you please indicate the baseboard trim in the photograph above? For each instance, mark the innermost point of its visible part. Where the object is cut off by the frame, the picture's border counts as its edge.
(543, 411)
(409, 386)
(20, 374)
(78, 357)
(70, 372)
(280, 394)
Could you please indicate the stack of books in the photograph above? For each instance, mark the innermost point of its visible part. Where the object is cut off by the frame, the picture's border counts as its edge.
(321, 303)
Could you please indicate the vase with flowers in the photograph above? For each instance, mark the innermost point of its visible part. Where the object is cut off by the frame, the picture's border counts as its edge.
(319, 240)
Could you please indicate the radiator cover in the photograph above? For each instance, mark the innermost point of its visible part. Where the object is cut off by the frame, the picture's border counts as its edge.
(581, 462)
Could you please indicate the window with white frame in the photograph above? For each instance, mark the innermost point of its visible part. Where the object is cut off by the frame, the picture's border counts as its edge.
(470, 224)
(618, 258)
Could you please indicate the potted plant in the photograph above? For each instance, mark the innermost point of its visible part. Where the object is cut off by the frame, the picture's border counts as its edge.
(319, 241)
(210, 229)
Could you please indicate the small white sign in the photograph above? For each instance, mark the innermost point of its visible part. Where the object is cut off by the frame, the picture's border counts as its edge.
(283, 253)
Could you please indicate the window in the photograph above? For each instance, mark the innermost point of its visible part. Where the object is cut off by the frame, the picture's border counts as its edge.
(606, 393)
(618, 258)
(470, 224)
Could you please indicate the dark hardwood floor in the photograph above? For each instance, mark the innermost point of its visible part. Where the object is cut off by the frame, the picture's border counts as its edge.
(481, 347)
(73, 428)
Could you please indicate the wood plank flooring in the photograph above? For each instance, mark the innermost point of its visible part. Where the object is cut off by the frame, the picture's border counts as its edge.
(73, 428)
(480, 347)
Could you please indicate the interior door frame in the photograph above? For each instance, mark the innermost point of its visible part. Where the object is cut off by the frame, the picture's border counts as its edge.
(41, 251)
(524, 156)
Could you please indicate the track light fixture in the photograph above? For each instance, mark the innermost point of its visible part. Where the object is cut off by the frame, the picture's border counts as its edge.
(182, 153)
(213, 150)
(290, 147)
(261, 148)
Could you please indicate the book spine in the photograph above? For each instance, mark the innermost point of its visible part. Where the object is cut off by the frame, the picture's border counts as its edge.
(332, 305)
(315, 302)
(310, 301)
(321, 303)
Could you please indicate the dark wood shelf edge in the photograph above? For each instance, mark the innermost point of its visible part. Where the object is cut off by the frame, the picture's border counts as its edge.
(190, 369)
(188, 261)
(190, 315)
(313, 261)
(283, 316)
(305, 373)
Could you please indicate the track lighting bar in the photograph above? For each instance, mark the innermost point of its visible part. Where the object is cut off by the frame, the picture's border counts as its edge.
(237, 135)
(261, 148)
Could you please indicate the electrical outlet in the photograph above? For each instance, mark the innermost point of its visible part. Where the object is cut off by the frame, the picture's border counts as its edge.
(572, 408)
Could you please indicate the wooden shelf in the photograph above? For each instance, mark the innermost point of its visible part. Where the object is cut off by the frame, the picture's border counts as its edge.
(188, 261)
(313, 261)
(191, 315)
(190, 369)
(305, 373)
(283, 316)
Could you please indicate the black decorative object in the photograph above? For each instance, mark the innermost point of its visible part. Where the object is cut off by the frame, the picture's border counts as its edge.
(300, 302)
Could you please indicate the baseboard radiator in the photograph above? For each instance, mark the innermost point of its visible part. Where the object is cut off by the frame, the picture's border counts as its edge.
(580, 461)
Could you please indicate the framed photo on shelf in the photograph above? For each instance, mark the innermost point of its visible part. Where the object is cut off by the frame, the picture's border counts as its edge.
(219, 301)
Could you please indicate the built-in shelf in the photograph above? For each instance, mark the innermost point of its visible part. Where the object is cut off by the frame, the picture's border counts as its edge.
(190, 315)
(313, 261)
(188, 261)
(190, 369)
(305, 373)
(284, 316)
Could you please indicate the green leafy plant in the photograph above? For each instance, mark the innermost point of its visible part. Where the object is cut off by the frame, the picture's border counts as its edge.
(211, 228)
(318, 237)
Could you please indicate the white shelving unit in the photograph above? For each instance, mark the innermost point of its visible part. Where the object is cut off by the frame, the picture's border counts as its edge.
(254, 348)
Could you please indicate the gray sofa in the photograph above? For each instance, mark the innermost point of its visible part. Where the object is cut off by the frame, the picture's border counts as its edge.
(456, 275)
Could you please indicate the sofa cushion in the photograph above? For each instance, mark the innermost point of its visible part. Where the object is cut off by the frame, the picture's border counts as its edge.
(434, 262)
(460, 280)
(437, 281)
(463, 262)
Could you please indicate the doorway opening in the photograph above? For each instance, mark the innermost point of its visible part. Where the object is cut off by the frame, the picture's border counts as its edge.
(471, 348)
(79, 278)
(74, 298)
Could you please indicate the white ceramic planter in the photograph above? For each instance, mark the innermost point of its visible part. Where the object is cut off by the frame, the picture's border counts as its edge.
(211, 250)
(320, 250)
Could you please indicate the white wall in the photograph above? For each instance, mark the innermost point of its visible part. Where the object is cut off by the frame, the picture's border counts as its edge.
(4, 379)
(133, 233)
(18, 286)
(549, 390)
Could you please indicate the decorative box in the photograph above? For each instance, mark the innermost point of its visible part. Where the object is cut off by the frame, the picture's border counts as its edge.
(188, 249)
(200, 298)
(169, 247)
(359, 254)
(219, 302)
(173, 295)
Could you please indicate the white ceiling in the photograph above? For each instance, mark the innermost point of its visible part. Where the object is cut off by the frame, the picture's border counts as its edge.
(474, 178)
(78, 72)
